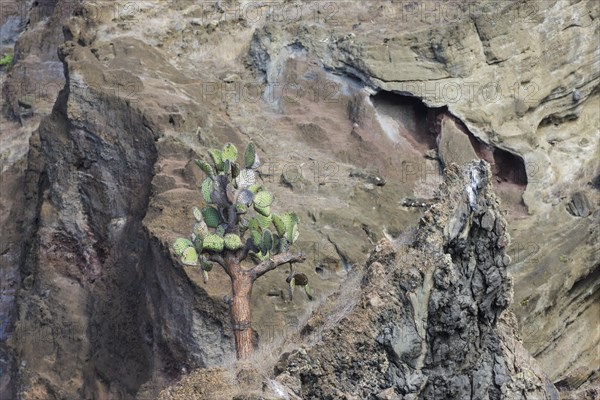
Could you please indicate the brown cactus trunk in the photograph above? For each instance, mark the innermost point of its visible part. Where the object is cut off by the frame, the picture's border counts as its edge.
(240, 313)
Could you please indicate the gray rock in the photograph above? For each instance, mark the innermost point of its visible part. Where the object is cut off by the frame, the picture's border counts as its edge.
(579, 206)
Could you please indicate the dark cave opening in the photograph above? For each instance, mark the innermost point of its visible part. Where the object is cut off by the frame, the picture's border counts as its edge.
(416, 121)
(421, 126)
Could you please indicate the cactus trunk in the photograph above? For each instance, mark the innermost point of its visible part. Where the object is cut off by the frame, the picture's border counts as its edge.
(240, 314)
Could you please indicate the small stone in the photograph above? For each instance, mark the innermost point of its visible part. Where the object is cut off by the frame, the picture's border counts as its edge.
(431, 154)
(487, 221)
(388, 394)
(579, 206)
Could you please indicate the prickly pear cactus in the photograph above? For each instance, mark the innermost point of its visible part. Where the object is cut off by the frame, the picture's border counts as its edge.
(237, 212)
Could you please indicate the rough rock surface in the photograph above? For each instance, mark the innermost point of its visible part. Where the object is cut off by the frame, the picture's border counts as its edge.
(96, 182)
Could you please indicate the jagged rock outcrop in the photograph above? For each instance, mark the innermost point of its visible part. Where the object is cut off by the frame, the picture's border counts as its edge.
(430, 321)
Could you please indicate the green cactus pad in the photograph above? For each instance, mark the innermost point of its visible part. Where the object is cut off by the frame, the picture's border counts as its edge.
(232, 241)
(266, 211)
(249, 155)
(254, 224)
(256, 237)
(226, 168)
(255, 188)
(213, 242)
(217, 158)
(275, 249)
(309, 292)
(267, 242)
(200, 229)
(246, 178)
(221, 230)
(197, 214)
(205, 167)
(260, 257)
(263, 199)
(198, 244)
(229, 153)
(293, 235)
(207, 188)
(181, 244)
(263, 221)
(284, 246)
(189, 256)
(211, 216)
(289, 218)
(278, 223)
(256, 162)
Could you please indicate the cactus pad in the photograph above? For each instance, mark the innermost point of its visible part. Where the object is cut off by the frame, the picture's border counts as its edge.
(263, 221)
(290, 221)
(256, 237)
(267, 242)
(293, 235)
(205, 167)
(197, 214)
(211, 216)
(255, 188)
(232, 241)
(229, 153)
(207, 188)
(309, 292)
(249, 155)
(198, 244)
(278, 223)
(200, 229)
(235, 170)
(213, 242)
(254, 224)
(245, 197)
(181, 244)
(246, 178)
(265, 211)
(189, 256)
(275, 248)
(217, 158)
(263, 199)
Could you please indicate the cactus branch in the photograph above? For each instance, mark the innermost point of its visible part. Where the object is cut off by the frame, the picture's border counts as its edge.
(275, 261)
(221, 261)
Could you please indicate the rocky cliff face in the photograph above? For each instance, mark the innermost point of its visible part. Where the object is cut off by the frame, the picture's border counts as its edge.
(360, 106)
